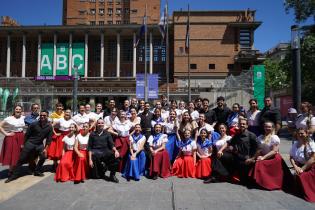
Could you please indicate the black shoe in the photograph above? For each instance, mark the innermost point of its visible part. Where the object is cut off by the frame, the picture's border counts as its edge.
(155, 177)
(39, 174)
(10, 179)
(113, 178)
(210, 180)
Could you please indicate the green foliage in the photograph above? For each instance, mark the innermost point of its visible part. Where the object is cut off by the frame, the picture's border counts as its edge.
(303, 9)
(277, 76)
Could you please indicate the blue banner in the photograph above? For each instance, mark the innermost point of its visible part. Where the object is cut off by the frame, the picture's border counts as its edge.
(140, 86)
(153, 83)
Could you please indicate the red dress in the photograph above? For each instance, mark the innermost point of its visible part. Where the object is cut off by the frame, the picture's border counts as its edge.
(81, 164)
(306, 182)
(184, 165)
(11, 148)
(122, 146)
(203, 167)
(54, 151)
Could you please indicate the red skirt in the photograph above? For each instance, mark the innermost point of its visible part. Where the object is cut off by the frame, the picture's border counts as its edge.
(306, 180)
(11, 149)
(160, 164)
(81, 166)
(54, 151)
(64, 170)
(269, 174)
(122, 145)
(184, 167)
(203, 168)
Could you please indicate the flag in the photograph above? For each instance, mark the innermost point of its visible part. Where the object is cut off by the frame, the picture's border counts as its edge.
(163, 22)
(187, 40)
(142, 30)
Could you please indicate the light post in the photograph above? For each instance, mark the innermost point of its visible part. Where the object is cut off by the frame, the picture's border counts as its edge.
(296, 66)
(75, 89)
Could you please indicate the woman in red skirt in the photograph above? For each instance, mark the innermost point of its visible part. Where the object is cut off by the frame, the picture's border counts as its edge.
(302, 158)
(64, 170)
(12, 128)
(204, 150)
(160, 161)
(184, 165)
(61, 129)
(120, 130)
(81, 164)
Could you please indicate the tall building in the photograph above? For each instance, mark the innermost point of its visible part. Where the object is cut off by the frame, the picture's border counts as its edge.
(106, 12)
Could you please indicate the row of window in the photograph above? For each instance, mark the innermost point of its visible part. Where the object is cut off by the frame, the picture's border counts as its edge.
(211, 66)
(109, 11)
(102, 1)
(110, 22)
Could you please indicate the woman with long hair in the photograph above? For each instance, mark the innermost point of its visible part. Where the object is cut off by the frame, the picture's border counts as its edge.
(12, 129)
(188, 124)
(204, 151)
(306, 119)
(232, 120)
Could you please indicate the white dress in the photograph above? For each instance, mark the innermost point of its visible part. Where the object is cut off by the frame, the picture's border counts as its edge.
(12, 124)
(297, 153)
(162, 139)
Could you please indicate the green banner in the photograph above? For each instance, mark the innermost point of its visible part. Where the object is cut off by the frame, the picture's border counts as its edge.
(78, 57)
(259, 84)
(62, 59)
(47, 59)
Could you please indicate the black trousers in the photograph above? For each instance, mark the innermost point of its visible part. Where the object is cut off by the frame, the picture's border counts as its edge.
(103, 162)
(147, 150)
(30, 150)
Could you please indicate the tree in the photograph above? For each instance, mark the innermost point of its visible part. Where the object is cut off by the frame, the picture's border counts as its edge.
(277, 76)
(303, 9)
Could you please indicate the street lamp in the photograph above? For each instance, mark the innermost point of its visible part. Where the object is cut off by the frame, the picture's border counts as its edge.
(296, 66)
(75, 89)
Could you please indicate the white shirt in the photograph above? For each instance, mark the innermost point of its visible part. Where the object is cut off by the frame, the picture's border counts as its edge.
(194, 115)
(12, 124)
(64, 125)
(253, 118)
(135, 146)
(188, 149)
(80, 119)
(297, 153)
(206, 126)
(219, 144)
(301, 121)
(136, 121)
(203, 151)
(99, 116)
(170, 127)
(69, 142)
(109, 122)
(123, 128)
(165, 114)
(160, 141)
(92, 116)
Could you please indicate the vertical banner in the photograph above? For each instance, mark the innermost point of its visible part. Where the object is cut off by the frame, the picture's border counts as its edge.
(259, 84)
(140, 84)
(47, 59)
(78, 57)
(153, 84)
(62, 56)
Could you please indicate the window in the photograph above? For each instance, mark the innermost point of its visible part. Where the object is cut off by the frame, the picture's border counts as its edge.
(110, 11)
(230, 66)
(118, 22)
(110, 2)
(118, 11)
(245, 38)
(101, 23)
(193, 66)
(101, 1)
(82, 11)
(118, 2)
(92, 23)
(211, 66)
(127, 50)
(127, 10)
(111, 50)
(101, 11)
(92, 0)
(134, 11)
(92, 11)
(110, 22)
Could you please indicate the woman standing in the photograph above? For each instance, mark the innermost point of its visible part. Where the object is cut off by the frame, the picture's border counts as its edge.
(160, 162)
(253, 117)
(204, 150)
(12, 128)
(302, 158)
(81, 164)
(170, 129)
(232, 120)
(64, 170)
(135, 165)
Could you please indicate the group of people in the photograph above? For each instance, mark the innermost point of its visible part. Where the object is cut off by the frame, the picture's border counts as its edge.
(169, 139)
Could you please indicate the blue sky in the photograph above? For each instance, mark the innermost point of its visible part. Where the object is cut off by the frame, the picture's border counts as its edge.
(275, 28)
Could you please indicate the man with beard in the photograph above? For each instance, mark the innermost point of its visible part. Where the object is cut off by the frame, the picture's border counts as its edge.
(108, 109)
(222, 112)
(209, 114)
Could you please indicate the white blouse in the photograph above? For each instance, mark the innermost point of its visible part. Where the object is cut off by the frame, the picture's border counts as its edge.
(206, 126)
(136, 121)
(301, 121)
(219, 144)
(99, 116)
(297, 153)
(13, 124)
(203, 151)
(170, 127)
(153, 122)
(83, 141)
(266, 148)
(188, 149)
(80, 119)
(253, 118)
(109, 122)
(64, 125)
(69, 142)
(92, 116)
(160, 141)
(194, 115)
(135, 146)
(123, 128)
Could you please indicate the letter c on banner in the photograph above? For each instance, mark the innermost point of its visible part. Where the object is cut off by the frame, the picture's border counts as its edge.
(77, 56)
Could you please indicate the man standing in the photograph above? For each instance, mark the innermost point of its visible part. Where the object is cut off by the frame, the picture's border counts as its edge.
(34, 116)
(222, 112)
(108, 109)
(102, 153)
(271, 114)
(209, 114)
(35, 135)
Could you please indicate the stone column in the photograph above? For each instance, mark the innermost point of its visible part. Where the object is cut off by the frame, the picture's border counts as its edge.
(118, 56)
(55, 54)
(23, 55)
(8, 56)
(134, 69)
(86, 54)
(39, 50)
(151, 53)
(70, 55)
(102, 56)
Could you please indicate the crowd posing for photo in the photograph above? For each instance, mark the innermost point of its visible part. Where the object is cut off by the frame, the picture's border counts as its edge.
(166, 139)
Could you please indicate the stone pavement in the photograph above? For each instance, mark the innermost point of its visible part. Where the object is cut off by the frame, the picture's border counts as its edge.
(30, 192)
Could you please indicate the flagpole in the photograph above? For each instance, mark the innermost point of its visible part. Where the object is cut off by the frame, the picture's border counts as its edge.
(145, 58)
(167, 58)
(188, 58)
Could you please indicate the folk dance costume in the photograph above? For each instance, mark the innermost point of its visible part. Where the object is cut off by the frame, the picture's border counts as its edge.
(135, 168)
(122, 141)
(232, 122)
(11, 146)
(157, 121)
(81, 164)
(109, 121)
(306, 183)
(64, 170)
(203, 167)
(170, 146)
(184, 165)
(54, 151)
(160, 162)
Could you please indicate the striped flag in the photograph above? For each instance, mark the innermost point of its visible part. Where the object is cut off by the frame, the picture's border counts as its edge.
(142, 30)
(163, 22)
(187, 40)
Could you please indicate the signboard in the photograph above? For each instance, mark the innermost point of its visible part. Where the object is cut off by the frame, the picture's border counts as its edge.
(140, 84)
(47, 59)
(53, 78)
(62, 58)
(259, 84)
(78, 57)
(153, 84)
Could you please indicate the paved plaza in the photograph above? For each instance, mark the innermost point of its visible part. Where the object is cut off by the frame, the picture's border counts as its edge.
(31, 192)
